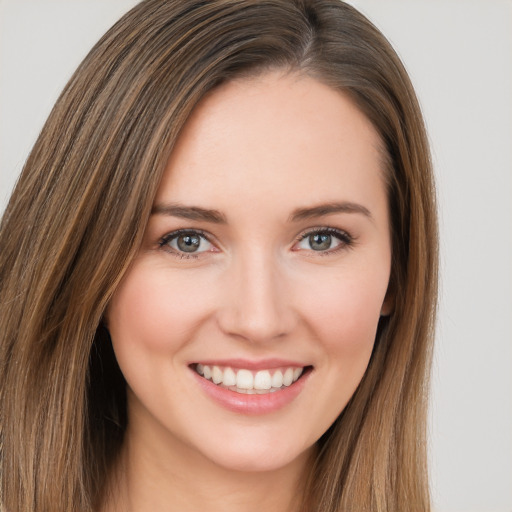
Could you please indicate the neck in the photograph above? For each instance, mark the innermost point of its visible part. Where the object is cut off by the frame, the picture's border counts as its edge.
(150, 476)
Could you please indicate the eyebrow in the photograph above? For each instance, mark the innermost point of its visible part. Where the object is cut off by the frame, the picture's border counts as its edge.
(189, 212)
(216, 217)
(329, 209)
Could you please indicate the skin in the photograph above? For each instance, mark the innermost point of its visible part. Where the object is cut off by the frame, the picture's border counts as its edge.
(256, 151)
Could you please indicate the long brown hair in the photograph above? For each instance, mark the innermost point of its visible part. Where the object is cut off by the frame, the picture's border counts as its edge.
(79, 210)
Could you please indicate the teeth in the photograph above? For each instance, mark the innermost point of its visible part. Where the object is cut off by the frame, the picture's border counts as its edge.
(277, 379)
(229, 377)
(262, 380)
(287, 377)
(245, 381)
(217, 375)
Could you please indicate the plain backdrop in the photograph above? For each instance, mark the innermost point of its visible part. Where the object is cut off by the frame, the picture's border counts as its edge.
(459, 55)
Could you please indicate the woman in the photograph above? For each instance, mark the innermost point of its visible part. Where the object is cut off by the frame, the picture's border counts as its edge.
(218, 271)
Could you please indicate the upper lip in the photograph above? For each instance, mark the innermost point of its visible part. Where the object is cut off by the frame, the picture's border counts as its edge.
(251, 364)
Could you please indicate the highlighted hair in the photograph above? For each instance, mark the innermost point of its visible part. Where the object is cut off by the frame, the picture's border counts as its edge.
(79, 210)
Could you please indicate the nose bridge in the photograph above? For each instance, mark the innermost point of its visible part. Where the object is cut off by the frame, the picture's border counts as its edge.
(256, 307)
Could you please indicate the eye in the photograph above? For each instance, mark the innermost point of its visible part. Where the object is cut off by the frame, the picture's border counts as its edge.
(324, 240)
(186, 243)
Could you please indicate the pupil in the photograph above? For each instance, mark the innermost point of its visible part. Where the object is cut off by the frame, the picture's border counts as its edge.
(188, 243)
(320, 242)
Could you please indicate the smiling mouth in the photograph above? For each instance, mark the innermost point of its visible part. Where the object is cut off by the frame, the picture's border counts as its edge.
(249, 382)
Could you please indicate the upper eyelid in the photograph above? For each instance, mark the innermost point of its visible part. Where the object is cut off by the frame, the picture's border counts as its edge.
(324, 229)
(209, 236)
(164, 243)
(173, 234)
(213, 240)
(346, 239)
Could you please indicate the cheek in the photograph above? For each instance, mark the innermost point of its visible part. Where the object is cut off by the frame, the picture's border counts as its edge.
(345, 314)
(154, 311)
(342, 318)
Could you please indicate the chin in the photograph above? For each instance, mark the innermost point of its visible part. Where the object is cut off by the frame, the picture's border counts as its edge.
(259, 462)
(250, 453)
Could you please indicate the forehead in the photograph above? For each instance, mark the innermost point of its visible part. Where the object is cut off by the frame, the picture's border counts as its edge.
(280, 135)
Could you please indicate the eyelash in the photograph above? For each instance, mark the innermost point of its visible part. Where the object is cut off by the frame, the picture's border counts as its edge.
(164, 241)
(347, 241)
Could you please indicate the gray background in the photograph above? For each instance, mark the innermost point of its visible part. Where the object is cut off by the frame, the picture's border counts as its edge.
(459, 54)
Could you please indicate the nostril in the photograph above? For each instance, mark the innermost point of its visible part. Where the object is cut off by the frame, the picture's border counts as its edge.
(255, 326)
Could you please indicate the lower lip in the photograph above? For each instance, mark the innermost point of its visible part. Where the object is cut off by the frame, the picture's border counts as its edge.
(252, 404)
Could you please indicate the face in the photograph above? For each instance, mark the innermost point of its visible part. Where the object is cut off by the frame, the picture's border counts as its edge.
(248, 318)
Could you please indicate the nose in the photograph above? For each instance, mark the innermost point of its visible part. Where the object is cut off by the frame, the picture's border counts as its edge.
(256, 303)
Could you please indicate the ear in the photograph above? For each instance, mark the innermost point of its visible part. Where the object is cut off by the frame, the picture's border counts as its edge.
(388, 306)
(104, 319)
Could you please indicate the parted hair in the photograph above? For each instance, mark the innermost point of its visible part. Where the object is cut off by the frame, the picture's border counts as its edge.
(80, 207)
